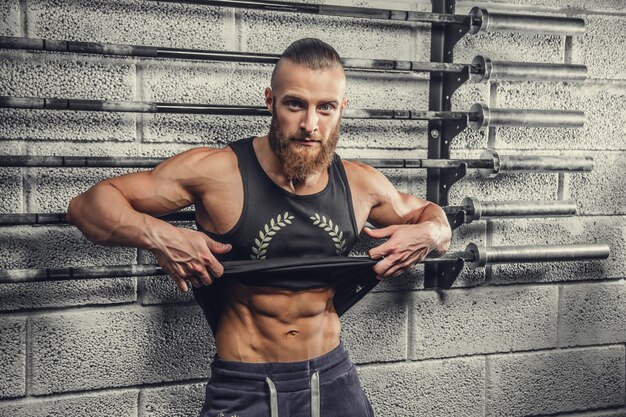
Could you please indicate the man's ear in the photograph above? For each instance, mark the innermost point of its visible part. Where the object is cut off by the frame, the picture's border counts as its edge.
(344, 103)
(269, 99)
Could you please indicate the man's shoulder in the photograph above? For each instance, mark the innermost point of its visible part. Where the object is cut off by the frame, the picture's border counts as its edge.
(201, 161)
(357, 170)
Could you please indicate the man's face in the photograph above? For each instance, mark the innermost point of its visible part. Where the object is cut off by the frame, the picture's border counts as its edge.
(306, 108)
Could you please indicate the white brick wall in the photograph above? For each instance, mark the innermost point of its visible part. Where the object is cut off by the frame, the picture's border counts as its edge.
(511, 340)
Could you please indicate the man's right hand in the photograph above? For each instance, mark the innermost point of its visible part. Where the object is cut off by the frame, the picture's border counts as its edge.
(187, 255)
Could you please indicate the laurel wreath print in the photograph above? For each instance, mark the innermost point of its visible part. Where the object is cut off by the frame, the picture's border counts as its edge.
(332, 230)
(265, 236)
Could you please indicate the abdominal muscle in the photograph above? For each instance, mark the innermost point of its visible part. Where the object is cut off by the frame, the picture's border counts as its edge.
(261, 324)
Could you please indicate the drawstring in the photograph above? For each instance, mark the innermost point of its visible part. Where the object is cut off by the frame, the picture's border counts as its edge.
(273, 398)
(315, 396)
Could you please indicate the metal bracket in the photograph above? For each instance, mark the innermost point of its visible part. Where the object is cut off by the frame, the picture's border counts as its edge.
(448, 273)
(458, 219)
(441, 133)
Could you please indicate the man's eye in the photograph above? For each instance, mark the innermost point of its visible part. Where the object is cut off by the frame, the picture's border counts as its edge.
(326, 107)
(294, 104)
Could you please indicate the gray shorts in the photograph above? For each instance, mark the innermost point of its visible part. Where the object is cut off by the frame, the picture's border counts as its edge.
(325, 386)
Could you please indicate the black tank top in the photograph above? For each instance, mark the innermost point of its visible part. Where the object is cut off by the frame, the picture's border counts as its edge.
(276, 223)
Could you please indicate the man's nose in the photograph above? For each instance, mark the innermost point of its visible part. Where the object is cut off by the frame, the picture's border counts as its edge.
(310, 121)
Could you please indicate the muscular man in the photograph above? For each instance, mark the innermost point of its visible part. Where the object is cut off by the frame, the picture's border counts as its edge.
(286, 194)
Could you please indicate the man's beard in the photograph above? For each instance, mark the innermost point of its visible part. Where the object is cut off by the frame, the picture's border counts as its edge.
(301, 161)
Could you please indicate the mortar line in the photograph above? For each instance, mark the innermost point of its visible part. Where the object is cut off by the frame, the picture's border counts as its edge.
(139, 96)
(560, 186)
(559, 304)
(23, 7)
(232, 22)
(28, 371)
(140, 403)
(568, 43)
(238, 31)
(487, 390)
(409, 328)
(493, 103)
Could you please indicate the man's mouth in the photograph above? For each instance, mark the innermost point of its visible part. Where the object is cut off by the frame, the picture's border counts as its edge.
(305, 141)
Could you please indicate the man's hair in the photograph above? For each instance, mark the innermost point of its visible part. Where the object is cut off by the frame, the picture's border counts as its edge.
(311, 53)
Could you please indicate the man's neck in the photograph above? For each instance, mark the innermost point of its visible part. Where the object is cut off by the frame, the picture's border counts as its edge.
(274, 169)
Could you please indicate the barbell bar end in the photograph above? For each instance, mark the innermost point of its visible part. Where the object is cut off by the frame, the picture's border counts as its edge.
(480, 116)
(490, 154)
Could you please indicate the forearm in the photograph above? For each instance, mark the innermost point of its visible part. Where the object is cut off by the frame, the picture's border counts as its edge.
(105, 217)
(440, 231)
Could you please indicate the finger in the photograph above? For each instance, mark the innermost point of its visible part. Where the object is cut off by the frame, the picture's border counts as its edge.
(383, 266)
(200, 272)
(215, 246)
(180, 282)
(380, 251)
(403, 265)
(380, 233)
(195, 282)
(214, 267)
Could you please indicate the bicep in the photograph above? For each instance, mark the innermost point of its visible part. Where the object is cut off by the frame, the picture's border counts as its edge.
(392, 206)
(162, 190)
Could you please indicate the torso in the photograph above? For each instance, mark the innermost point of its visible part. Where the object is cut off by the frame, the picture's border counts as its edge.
(264, 324)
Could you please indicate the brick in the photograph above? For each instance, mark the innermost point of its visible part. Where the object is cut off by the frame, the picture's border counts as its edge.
(55, 247)
(12, 357)
(602, 190)
(162, 24)
(57, 125)
(444, 388)
(10, 18)
(205, 130)
(160, 290)
(174, 401)
(375, 329)
(482, 320)
(601, 101)
(47, 74)
(601, 47)
(50, 75)
(67, 293)
(11, 191)
(122, 404)
(52, 189)
(119, 347)
(592, 314)
(352, 38)
(532, 384)
(210, 82)
(584, 230)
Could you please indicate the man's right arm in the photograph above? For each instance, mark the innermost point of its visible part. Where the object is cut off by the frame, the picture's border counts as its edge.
(120, 211)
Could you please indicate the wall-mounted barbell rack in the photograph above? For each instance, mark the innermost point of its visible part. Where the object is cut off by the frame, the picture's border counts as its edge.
(470, 210)
(476, 256)
(446, 30)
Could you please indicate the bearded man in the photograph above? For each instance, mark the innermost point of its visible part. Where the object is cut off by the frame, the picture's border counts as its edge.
(284, 195)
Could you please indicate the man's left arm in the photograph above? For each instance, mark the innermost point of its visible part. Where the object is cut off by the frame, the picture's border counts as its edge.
(414, 227)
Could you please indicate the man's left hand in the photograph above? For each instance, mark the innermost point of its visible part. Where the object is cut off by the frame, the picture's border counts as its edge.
(407, 244)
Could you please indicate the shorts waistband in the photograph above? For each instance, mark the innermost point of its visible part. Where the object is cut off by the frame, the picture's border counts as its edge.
(287, 376)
